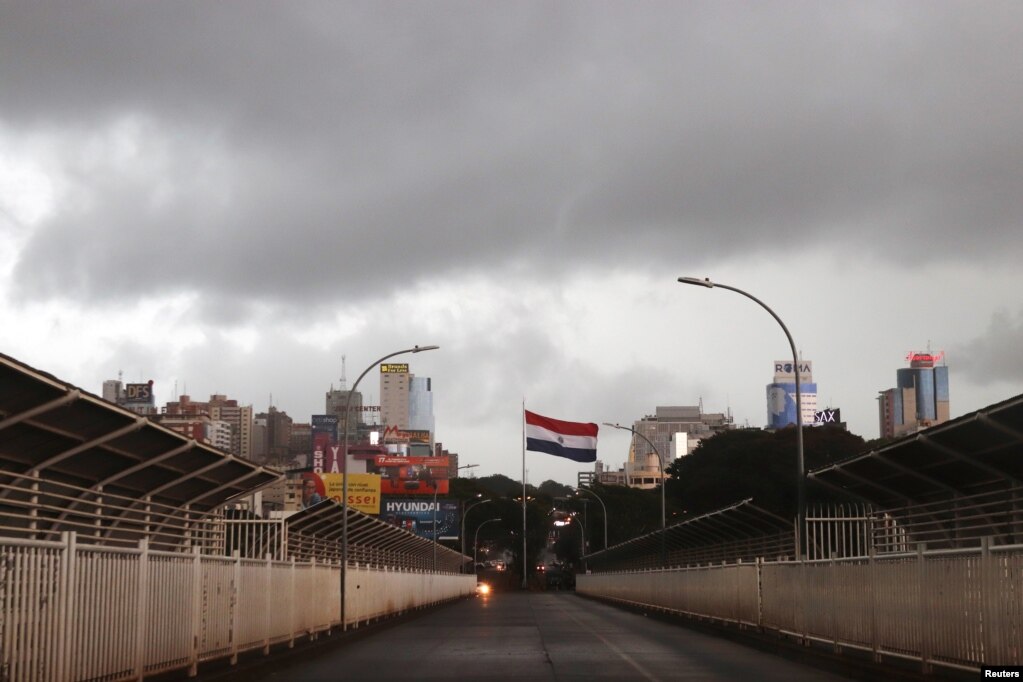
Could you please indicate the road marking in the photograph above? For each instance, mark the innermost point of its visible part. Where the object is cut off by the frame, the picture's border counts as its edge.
(610, 645)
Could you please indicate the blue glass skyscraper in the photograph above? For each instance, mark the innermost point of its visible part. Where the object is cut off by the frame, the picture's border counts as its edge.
(920, 398)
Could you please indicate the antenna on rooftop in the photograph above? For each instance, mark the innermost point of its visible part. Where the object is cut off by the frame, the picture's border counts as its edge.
(344, 381)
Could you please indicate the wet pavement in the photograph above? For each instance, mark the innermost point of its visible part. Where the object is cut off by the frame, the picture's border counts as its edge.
(538, 636)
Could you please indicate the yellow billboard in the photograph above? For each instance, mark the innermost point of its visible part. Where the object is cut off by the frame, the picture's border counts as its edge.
(363, 490)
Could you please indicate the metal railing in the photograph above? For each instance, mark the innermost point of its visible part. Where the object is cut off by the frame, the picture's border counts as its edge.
(70, 611)
(955, 608)
(854, 530)
(740, 531)
(33, 508)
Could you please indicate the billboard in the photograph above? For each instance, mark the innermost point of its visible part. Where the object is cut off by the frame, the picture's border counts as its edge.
(924, 359)
(139, 394)
(785, 372)
(325, 423)
(313, 491)
(412, 475)
(417, 516)
(781, 403)
(327, 457)
(393, 434)
(363, 490)
(394, 368)
(829, 416)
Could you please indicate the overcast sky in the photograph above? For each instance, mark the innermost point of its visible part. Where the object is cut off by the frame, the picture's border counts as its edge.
(230, 196)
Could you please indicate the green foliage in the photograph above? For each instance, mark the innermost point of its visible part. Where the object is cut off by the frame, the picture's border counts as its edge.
(735, 465)
(554, 489)
(502, 486)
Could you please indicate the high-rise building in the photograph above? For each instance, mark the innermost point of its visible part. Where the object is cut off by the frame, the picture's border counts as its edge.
(301, 440)
(113, 391)
(278, 435)
(200, 427)
(259, 444)
(394, 391)
(240, 419)
(781, 394)
(919, 399)
(138, 398)
(219, 408)
(674, 431)
(420, 404)
(334, 404)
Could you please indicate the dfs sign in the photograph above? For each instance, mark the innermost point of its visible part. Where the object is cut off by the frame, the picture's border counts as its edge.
(139, 393)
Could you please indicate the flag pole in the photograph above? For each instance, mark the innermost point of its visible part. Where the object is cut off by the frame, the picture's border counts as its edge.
(525, 560)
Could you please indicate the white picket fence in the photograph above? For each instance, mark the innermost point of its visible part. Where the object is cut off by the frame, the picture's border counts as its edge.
(955, 608)
(72, 612)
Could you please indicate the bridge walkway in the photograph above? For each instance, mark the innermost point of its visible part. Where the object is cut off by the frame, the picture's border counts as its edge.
(536, 636)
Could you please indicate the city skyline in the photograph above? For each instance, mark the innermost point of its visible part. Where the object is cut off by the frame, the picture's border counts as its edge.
(234, 206)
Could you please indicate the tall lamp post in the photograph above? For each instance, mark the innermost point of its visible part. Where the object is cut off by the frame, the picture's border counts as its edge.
(801, 478)
(464, 466)
(476, 541)
(344, 450)
(660, 464)
(462, 527)
(602, 505)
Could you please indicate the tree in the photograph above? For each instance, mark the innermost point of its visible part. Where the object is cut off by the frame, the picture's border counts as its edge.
(554, 489)
(734, 465)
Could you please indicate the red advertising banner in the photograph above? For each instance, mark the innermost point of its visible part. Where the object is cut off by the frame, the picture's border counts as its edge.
(412, 475)
(327, 457)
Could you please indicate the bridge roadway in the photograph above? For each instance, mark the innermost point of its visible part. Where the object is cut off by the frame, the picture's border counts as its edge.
(526, 636)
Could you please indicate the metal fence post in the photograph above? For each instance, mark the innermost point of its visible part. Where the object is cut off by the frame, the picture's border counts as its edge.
(872, 581)
(236, 597)
(925, 616)
(760, 592)
(142, 610)
(291, 605)
(66, 607)
(268, 609)
(988, 590)
(193, 667)
(803, 601)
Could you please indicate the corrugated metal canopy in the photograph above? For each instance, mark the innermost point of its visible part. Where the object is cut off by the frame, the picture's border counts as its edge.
(977, 453)
(738, 531)
(317, 530)
(61, 441)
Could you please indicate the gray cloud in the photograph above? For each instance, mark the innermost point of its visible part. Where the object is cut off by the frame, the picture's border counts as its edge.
(338, 151)
(994, 357)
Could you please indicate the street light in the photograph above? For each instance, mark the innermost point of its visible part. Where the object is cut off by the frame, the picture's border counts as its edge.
(476, 540)
(660, 463)
(462, 527)
(582, 538)
(801, 478)
(344, 484)
(435, 486)
(603, 506)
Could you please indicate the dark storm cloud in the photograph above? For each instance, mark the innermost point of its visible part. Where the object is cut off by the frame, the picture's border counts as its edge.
(332, 151)
(995, 356)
